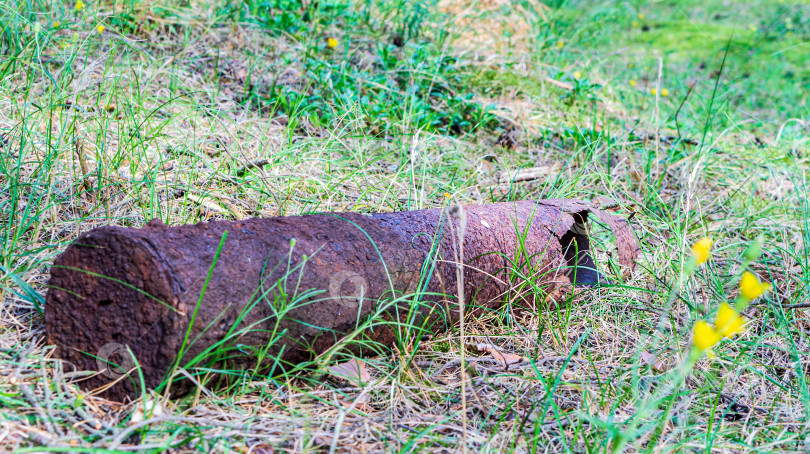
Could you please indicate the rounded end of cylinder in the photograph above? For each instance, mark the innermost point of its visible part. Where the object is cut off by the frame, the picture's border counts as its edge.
(112, 308)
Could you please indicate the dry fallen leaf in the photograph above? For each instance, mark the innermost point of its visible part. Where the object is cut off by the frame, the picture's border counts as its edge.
(507, 359)
(206, 205)
(150, 408)
(354, 371)
(360, 404)
(532, 173)
(656, 362)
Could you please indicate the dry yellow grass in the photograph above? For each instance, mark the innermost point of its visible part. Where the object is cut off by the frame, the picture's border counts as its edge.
(155, 124)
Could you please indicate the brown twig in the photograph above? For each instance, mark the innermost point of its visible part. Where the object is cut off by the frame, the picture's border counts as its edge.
(240, 172)
(77, 146)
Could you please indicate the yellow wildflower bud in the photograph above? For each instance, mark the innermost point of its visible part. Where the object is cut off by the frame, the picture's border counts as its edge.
(728, 322)
(560, 44)
(701, 251)
(750, 286)
(654, 92)
(577, 75)
(635, 23)
(79, 5)
(56, 24)
(100, 29)
(632, 83)
(704, 336)
(664, 92)
(640, 16)
(332, 42)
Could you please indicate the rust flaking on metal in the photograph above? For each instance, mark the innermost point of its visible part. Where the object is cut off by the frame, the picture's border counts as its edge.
(139, 287)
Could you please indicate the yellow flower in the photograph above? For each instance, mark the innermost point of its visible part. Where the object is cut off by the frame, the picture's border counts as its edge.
(632, 83)
(635, 23)
(750, 286)
(446, 195)
(664, 92)
(701, 251)
(630, 65)
(56, 24)
(79, 5)
(331, 42)
(640, 16)
(100, 29)
(577, 75)
(560, 44)
(728, 322)
(654, 91)
(704, 336)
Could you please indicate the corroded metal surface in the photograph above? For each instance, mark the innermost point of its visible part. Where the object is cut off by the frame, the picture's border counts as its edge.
(116, 287)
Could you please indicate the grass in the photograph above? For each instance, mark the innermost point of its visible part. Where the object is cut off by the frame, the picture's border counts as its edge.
(190, 111)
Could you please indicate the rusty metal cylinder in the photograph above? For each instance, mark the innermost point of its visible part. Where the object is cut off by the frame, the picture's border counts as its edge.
(283, 290)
